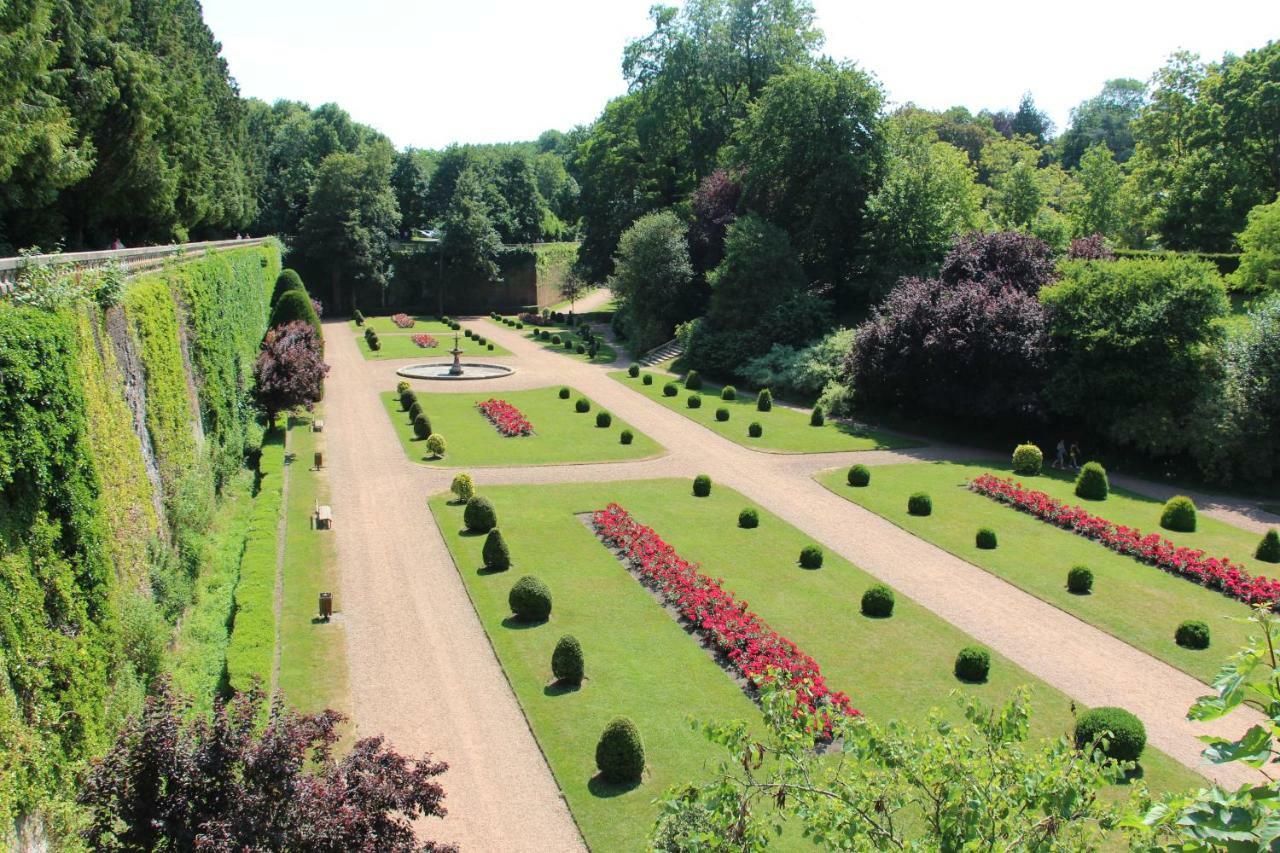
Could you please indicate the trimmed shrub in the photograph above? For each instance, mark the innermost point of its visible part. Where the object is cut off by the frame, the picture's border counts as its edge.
(463, 487)
(579, 349)
(1192, 634)
(626, 437)
(582, 406)
(620, 752)
(810, 557)
(764, 400)
(496, 554)
(408, 398)
(1269, 548)
(859, 475)
(290, 280)
(633, 371)
(1092, 483)
(1124, 733)
(422, 425)
(1179, 514)
(358, 317)
(491, 347)
(555, 339)
(728, 392)
(920, 504)
(545, 335)
(372, 340)
(415, 409)
(722, 414)
(530, 600)
(564, 393)
(986, 539)
(566, 661)
(748, 519)
(755, 430)
(694, 401)
(604, 419)
(520, 325)
(401, 387)
(1080, 580)
(1028, 460)
(467, 333)
(568, 344)
(648, 379)
(877, 602)
(816, 417)
(480, 516)
(436, 444)
(693, 381)
(670, 389)
(973, 664)
(701, 486)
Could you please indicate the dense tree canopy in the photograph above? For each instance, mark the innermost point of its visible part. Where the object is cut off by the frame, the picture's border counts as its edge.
(651, 270)
(1104, 120)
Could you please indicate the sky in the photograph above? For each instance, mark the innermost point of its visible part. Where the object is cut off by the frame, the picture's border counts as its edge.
(429, 73)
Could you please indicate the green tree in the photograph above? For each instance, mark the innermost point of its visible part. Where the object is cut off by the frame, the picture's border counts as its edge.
(759, 272)
(519, 187)
(1104, 120)
(1095, 206)
(1031, 122)
(1018, 187)
(1259, 269)
(470, 244)
(651, 269)
(410, 178)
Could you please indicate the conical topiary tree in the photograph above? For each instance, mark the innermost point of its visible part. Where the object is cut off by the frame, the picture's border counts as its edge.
(530, 600)
(286, 281)
(1269, 548)
(566, 661)
(497, 557)
(295, 305)
(620, 752)
(480, 516)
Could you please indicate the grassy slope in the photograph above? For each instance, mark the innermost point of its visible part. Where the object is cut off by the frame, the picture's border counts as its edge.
(785, 430)
(642, 664)
(560, 433)
(1131, 600)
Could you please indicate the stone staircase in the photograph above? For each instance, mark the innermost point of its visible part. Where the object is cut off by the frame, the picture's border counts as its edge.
(669, 350)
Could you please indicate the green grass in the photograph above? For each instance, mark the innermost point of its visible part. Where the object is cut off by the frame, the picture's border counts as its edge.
(604, 355)
(313, 670)
(383, 326)
(561, 434)
(640, 663)
(251, 650)
(399, 344)
(1133, 601)
(785, 430)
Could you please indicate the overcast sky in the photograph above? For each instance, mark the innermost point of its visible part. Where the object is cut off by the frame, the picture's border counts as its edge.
(428, 73)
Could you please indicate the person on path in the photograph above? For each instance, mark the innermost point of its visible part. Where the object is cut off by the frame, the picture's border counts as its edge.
(1074, 454)
(1061, 461)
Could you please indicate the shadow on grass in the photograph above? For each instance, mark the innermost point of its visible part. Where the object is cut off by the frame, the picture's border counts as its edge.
(1135, 775)
(466, 533)
(485, 571)
(560, 688)
(606, 790)
(520, 625)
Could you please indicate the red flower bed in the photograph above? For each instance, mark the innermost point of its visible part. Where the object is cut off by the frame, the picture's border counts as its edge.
(1214, 572)
(506, 417)
(425, 341)
(531, 319)
(754, 649)
(404, 321)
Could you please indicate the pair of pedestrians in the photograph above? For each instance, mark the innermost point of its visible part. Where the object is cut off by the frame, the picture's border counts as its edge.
(1067, 456)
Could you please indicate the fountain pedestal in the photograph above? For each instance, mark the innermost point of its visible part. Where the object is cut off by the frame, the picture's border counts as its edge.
(456, 369)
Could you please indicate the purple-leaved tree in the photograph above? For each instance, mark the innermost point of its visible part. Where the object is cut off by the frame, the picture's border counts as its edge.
(290, 370)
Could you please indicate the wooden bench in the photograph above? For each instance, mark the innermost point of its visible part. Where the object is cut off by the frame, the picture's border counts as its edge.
(322, 519)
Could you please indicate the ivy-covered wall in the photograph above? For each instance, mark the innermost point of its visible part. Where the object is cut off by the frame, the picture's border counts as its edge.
(96, 569)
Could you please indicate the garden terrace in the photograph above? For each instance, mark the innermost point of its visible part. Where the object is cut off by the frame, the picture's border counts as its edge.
(604, 355)
(561, 433)
(397, 342)
(1131, 600)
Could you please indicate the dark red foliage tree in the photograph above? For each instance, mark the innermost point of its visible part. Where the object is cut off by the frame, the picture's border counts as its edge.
(964, 350)
(177, 782)
(715, 205)
(1002, 259)
(290, 369)
(1091, 248)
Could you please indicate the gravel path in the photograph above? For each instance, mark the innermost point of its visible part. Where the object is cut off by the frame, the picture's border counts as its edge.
(422, 670)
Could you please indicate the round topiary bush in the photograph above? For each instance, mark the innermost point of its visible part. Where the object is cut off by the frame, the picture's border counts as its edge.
(490, 347)
(1192, 634)
(694, 401)
(1269, 548)
(728, 392)
(466, 333)
(582, 406)
(415, 409)
(479, 515)
(859, 475)
(693, 381)
(530, 600)
(701, 486)
(633, 371)
(722, 414)
(1080, 580)
(626, 437)
(755, 430)
(546, 335)
(604, 419)
(436, 444)
(764, 400)
(670, 389)
(877, 602)
(986, 539)
(564, 393)
(620, 752)
(555, 339)
(920, 504)
(422, 425)
(401, 387)
(810, 557)
(1124, 733)
(1179, 514)
(748, 519)
(568, 344)
(1092, 483)
(973, 664)
(463, 487)
(647, 380)
(407, 398)
(1028, 460)
(496, 554)
(566, 661)
(816, 417)
(580, 349)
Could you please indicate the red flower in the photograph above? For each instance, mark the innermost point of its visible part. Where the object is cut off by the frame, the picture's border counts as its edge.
(506, 417)
(404, 321)
(424, 341)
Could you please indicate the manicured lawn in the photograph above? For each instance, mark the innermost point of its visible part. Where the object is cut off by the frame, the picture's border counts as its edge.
(640, 663)
(399, 342)
(785, 430)
(604, 355)
(383, 326)
(1133, 601)
(561, 434)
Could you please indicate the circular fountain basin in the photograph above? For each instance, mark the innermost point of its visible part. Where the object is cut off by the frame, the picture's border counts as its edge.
(441, 371)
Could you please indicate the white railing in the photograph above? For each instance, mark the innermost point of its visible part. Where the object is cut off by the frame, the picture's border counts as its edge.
(134, 261)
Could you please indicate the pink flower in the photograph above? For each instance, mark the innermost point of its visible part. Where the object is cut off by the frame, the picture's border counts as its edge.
(425, 341)
(505, 417)
(404, 321)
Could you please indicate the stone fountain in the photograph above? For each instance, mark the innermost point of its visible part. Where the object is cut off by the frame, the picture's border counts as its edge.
(457, 370)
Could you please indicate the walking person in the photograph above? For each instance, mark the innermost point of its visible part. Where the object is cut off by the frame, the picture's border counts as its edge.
(1074, 454)
(1061, 461)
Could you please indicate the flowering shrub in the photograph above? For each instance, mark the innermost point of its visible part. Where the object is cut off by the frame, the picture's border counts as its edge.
(404, 321)
(535, 319)
(505, 417)
(756, 651)
(425, 341)
(1214, 572)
